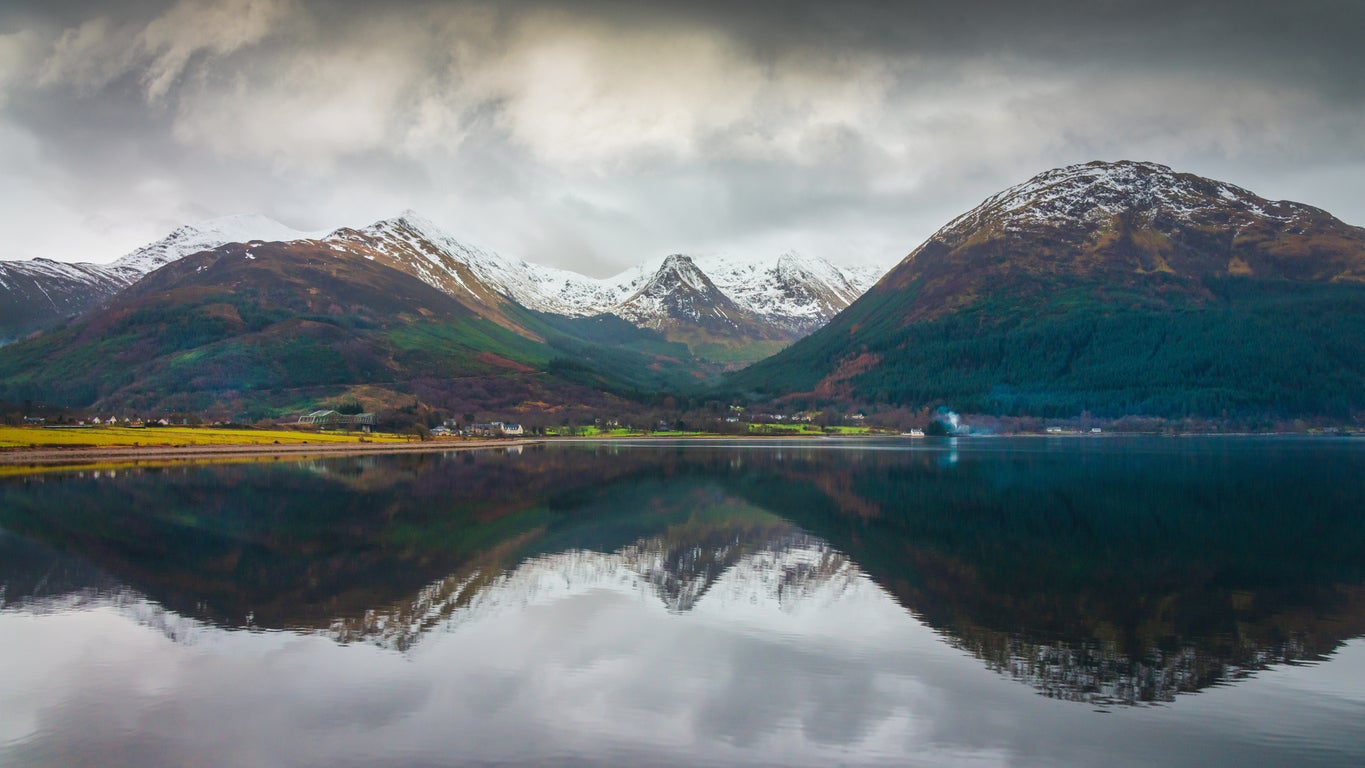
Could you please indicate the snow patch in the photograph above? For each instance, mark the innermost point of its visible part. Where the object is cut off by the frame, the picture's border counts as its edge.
(1097, 192)
(204, 236)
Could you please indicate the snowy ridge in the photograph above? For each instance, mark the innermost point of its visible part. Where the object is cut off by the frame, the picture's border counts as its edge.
(416, 245)
(47, 269)
(1094, 192)
(204, 236)
(38, 293)
(678, 290)
(793, 291)
(803, 291)
(788, 295)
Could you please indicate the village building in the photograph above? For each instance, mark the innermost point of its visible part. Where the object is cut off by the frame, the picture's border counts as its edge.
(496, 429)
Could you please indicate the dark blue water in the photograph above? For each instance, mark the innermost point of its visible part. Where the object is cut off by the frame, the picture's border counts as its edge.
(1108, 601)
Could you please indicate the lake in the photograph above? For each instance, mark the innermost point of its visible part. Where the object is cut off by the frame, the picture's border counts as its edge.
(983, 601)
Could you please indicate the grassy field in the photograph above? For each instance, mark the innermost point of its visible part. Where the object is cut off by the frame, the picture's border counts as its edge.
(23, 437)
(807, 429)
(594, 432)
(754, 429)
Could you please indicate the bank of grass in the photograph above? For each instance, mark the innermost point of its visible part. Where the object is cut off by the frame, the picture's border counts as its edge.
(792, 430)
(594, 432)
(806, 429)
(101, 437)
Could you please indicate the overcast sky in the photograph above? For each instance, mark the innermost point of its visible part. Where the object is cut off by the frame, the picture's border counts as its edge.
(593, 135)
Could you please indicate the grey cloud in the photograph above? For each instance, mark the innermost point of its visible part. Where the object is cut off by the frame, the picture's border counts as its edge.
(591, 135)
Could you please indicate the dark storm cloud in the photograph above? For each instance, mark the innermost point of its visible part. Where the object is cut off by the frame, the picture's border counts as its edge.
(595, 134)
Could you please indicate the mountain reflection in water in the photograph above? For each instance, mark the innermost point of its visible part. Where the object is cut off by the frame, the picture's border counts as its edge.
(1103, 572)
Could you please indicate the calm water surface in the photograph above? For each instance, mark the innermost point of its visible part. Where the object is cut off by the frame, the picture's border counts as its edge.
(981, 602)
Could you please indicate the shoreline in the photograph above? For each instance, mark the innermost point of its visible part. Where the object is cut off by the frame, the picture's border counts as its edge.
(76, 457)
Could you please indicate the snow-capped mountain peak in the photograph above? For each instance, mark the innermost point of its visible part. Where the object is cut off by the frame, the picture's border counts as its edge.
(681, 269)
(1095, 191)
(1133, 224)
(40, 292)
(743, 298)
(206, 235)
(415, 244)
(679, 290)
(794, 293)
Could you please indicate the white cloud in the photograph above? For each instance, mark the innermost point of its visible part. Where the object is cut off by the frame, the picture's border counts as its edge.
(304, 113)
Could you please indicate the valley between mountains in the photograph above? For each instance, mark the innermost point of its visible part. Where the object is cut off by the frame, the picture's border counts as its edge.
(1103, 290)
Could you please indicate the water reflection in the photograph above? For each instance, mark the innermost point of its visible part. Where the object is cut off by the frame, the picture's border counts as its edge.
(1123, 575)
(1101, 572)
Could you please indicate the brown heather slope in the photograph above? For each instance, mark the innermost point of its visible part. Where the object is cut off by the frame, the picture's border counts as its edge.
(244, 320)
(1136, 227)
(255, 329)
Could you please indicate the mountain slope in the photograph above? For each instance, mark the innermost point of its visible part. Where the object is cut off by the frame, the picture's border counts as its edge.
(1117, 288)
(203, 236)
(753, 308)
(473, 277)
(41, 293)
(277, 325)
(680, 301)
(241, 318)
(792, 291)
(723, 308)
(795, 293)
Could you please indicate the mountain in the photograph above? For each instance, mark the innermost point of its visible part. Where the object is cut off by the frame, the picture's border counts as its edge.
(480, 280)
(735, 310)
(725, 309)
(40, 293)
(753, 308)
(1115, 288)
(684, 304)
(204, 236)
(796, 293)
(276, 326)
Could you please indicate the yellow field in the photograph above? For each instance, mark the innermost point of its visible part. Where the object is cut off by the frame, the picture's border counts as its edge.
(23, 437)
